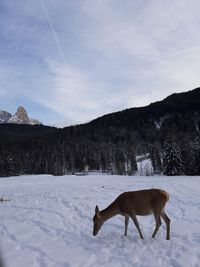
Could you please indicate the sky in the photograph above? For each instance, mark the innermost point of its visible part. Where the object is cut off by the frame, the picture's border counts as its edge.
(74, 60)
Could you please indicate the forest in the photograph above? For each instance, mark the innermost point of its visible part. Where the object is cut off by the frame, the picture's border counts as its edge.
(167, 130)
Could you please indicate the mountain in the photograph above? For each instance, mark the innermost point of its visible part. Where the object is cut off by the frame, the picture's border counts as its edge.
(156, 114)
(4, 116)
(110, 143)
(20, 117)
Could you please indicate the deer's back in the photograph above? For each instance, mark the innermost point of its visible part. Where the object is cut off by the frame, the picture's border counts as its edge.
(142, 202)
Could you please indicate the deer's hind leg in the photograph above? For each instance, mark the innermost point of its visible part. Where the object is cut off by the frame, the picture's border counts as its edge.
(167, 222)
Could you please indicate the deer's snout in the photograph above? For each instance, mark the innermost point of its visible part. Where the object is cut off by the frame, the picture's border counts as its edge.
(95, 232)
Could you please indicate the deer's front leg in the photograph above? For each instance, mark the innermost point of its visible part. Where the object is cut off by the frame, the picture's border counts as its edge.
(158, 224)
(134, 218)
(126, 224)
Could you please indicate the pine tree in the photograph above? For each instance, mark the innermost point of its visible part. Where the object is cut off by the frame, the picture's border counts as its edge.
(8, 166)
(172, 161)
(155, 158)
(131, 162)
(195, 151)
(191, 155)
(120, 160)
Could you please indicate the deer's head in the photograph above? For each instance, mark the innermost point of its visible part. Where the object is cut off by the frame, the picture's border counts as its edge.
(97, 220)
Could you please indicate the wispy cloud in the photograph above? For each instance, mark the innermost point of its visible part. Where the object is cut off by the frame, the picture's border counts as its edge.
(82, 59)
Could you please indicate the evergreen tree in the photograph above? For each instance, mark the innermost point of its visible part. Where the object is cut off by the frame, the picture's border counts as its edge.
(120, 159)
(131, 162)
(172, 161)
(8, 165)
(156, 158)
(191, 155)
(195, 151)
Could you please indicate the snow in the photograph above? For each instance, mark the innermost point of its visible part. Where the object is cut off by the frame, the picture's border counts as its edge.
(142, 157)
(48, 222)
(145, 167)
(159, 122)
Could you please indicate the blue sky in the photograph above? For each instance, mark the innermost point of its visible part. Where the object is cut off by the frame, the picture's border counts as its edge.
(75, 60)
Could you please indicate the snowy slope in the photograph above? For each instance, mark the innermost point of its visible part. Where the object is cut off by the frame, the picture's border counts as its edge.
(48, 222)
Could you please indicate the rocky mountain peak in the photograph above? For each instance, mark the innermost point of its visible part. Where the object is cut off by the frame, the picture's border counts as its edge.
(20, 117)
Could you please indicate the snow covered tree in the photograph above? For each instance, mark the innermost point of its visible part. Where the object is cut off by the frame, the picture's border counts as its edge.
(195, 156)
(197, 160)
(155, 158)
(127, 164)
(172, 161)
(131, 164)
(120, 159)
(8, 165)
(191, 155)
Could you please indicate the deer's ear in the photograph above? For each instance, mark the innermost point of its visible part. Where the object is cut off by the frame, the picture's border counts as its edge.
(97, 210)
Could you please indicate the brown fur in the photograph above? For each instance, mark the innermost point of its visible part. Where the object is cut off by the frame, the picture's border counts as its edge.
(130, 204)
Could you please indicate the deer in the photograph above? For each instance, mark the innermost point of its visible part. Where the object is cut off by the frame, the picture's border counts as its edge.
(130, 204)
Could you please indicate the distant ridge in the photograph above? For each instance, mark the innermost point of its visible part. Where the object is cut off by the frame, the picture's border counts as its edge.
(173, 104)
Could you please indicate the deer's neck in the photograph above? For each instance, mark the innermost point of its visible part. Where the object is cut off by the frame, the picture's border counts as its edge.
(109, 212)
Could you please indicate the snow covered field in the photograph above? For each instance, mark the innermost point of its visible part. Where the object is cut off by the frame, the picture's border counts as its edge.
(48, 222)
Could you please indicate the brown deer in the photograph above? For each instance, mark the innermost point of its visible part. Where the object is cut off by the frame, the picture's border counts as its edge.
(130, 204)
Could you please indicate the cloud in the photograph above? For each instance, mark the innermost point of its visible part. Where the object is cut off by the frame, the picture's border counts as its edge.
(155, 46)
(149, 32)
(106, 56)
(73, 93)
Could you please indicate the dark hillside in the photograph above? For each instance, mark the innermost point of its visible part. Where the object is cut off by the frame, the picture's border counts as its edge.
(108, 143)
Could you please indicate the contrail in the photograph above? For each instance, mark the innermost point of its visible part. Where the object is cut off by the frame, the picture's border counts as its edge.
(53, 31)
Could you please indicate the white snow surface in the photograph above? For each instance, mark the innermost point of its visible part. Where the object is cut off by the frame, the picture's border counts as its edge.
(48, 222)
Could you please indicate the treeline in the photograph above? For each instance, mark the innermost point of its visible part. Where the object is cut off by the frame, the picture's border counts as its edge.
(58, 157)
(58, 153)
